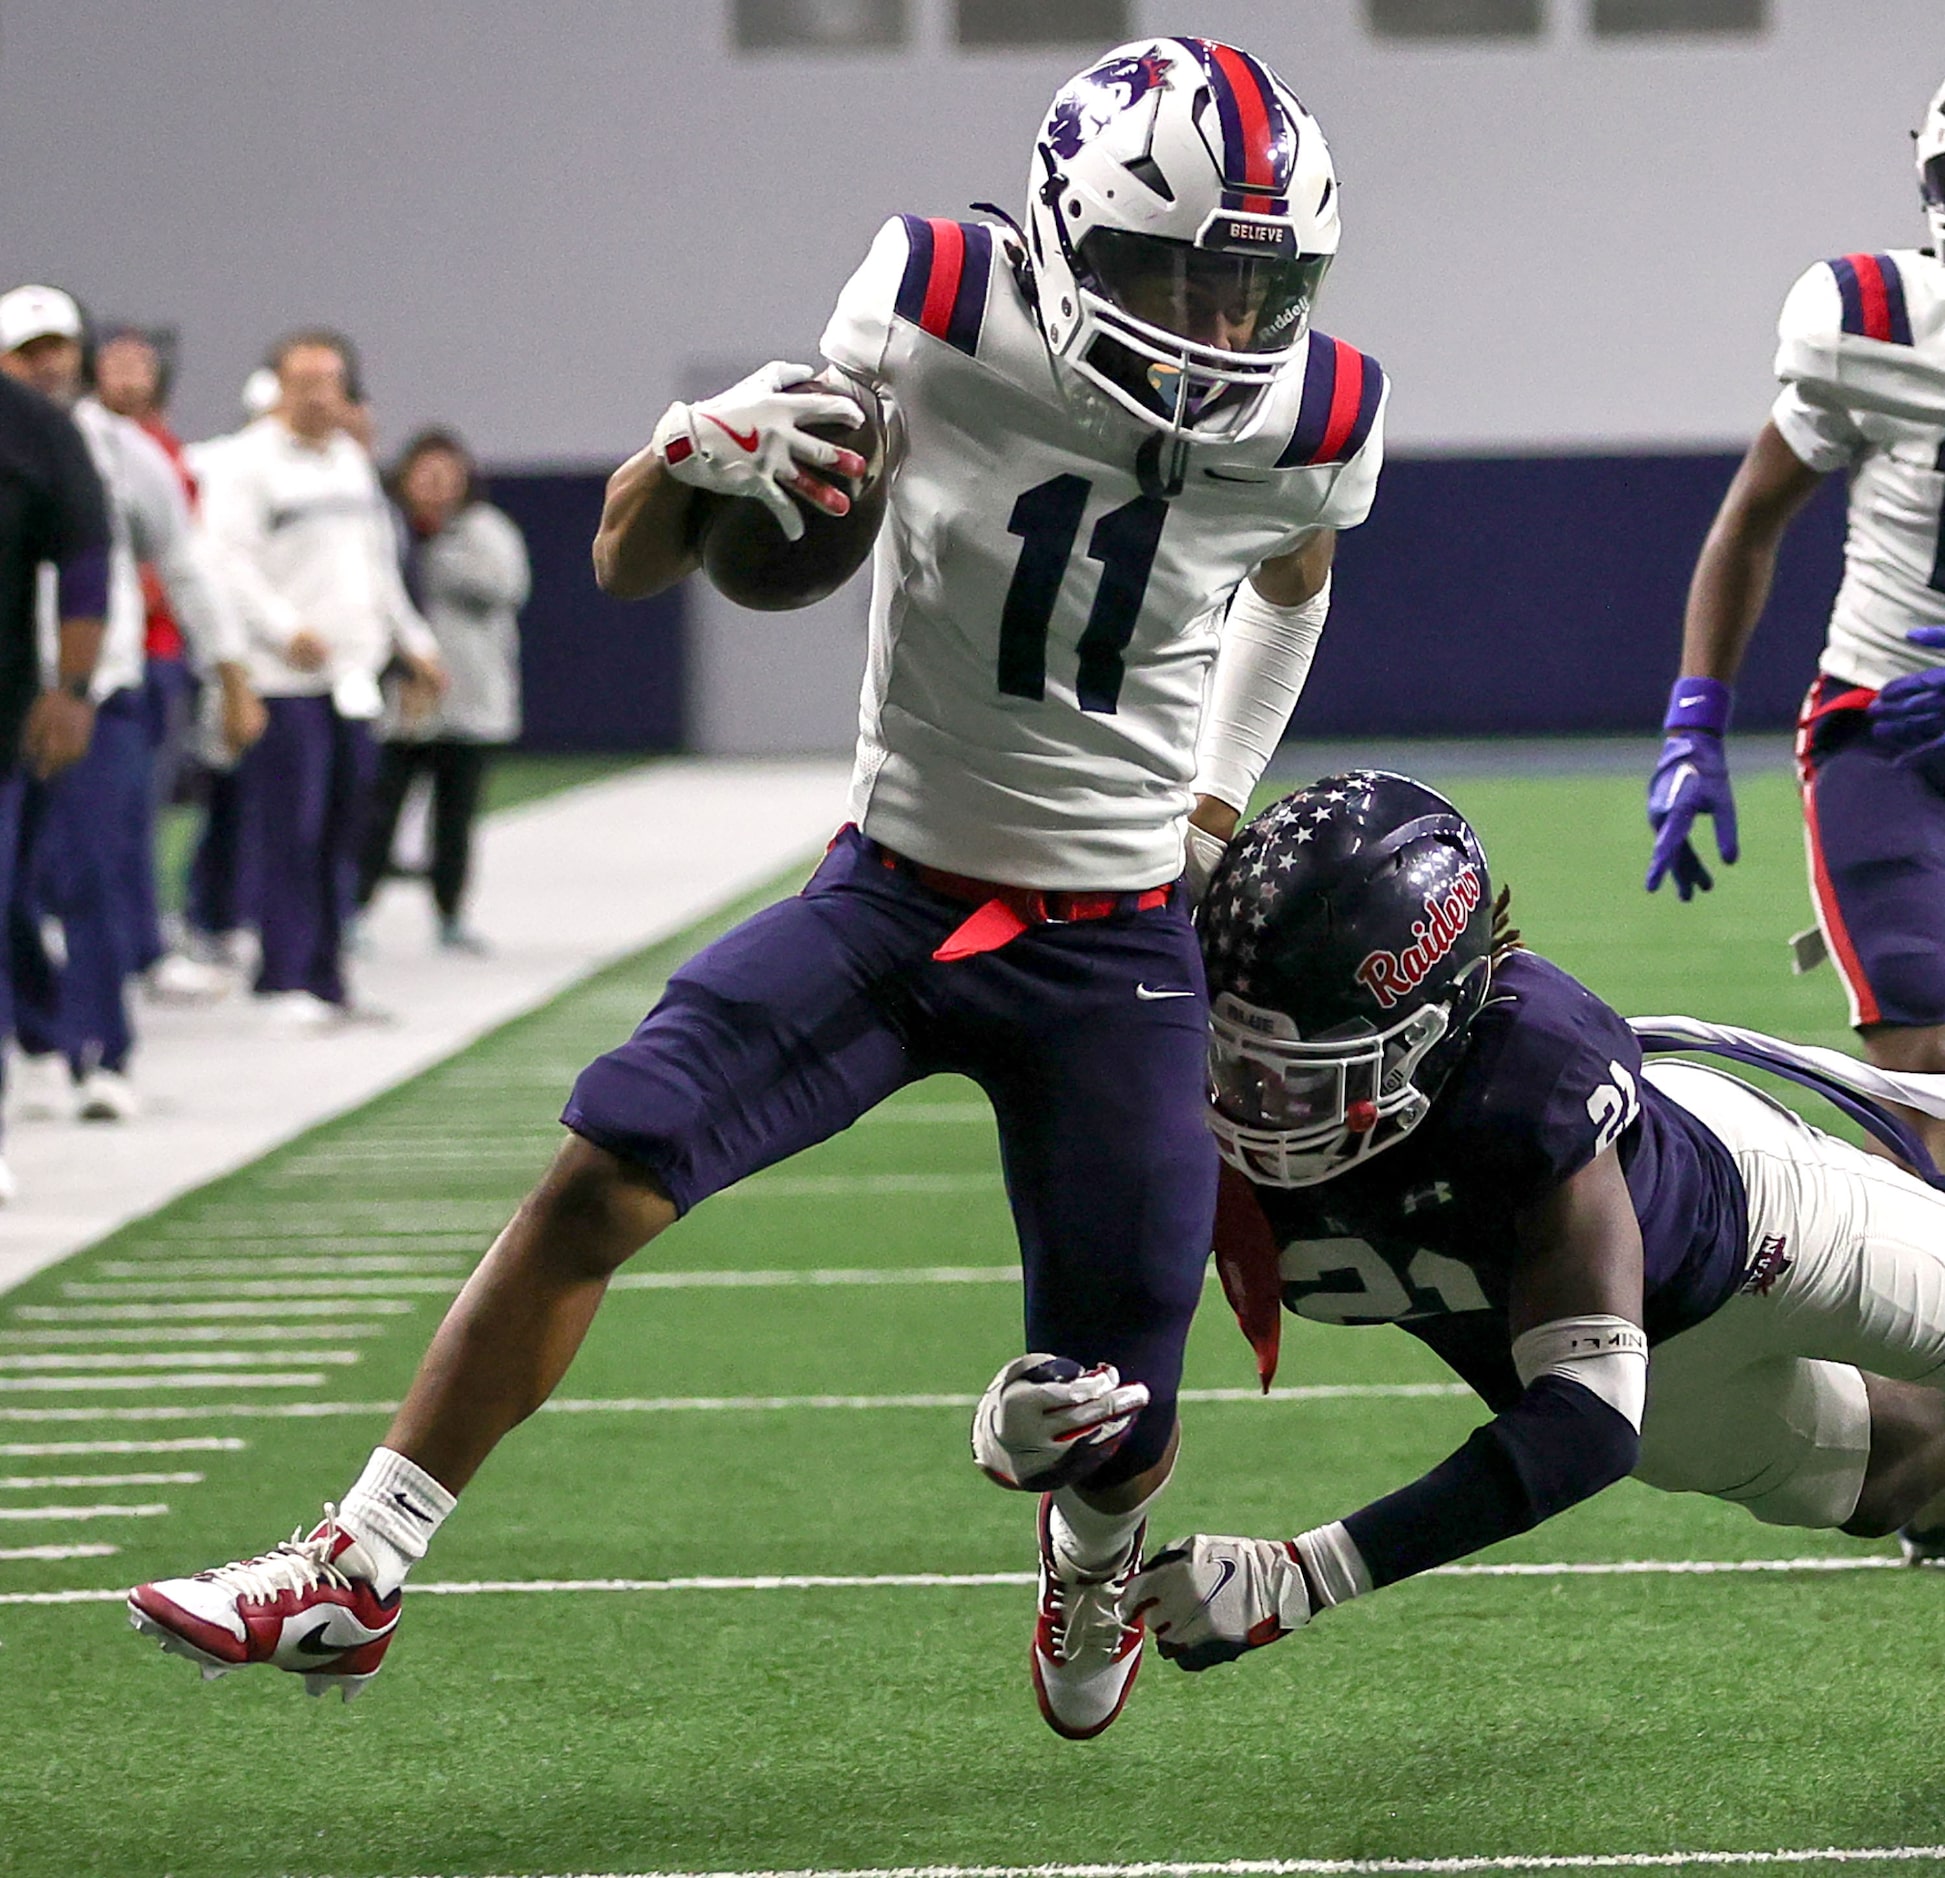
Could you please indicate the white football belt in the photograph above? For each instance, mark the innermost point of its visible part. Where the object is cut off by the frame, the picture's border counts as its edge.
(1855, 1087)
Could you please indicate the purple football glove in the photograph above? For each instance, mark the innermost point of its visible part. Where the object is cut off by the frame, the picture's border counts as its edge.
(1691, 778)
(1908, 715)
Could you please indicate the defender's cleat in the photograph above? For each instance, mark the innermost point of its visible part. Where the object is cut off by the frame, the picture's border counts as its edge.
(1085, 1657)
(308, 1607)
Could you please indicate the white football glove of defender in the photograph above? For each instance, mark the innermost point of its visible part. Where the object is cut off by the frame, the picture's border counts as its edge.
(1045, 1422)
(750, 441)
(1211, 1600)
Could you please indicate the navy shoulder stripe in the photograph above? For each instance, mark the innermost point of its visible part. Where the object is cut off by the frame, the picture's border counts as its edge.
(1872, 292)
(943, 291)
(1341, 389)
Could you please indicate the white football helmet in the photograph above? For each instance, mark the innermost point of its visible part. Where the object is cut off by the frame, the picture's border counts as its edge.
(1182, 210)
(1930, 139)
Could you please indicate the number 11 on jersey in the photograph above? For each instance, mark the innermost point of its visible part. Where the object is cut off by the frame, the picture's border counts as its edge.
(1047, 518)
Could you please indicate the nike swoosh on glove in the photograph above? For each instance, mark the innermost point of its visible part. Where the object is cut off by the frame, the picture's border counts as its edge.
(1908, 715)
(1210, 1600)
(750, 441)
(1691, 778)
(1045, 1422)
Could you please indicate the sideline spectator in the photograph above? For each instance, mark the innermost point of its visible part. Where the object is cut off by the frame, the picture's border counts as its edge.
(296, 503)
(466, 571)
(86, 833)
(53, 512)
(133, 369)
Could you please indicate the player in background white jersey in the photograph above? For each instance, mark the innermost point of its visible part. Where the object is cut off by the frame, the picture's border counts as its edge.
(1110, 532)
(1862, 356)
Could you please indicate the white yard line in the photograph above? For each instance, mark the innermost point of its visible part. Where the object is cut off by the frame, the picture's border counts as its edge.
(1357, 1867)
(172, 1359)
(214, 1308)
(176, 1334)
(60, 1483)
(566, 886)
(714, 1404)
(237, 1247)
(270, 1379)
(189, 1444)
(295, 1266)
(979, 1581)
(245, 1288)
(51, 1552)
(66, 1515)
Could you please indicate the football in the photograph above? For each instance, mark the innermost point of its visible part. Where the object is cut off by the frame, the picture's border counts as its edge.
(749, 559)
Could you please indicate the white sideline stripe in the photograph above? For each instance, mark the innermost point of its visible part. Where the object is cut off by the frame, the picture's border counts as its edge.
(172, 1359)
(50, 1483)
(153, 1509)
(1353, 1867)
(191, 1313)
(307, 1237)
(703, 1404)
(281, 1267)
(189, 1444)
(57, 1551)
(285, 1379)
(173, 1334)
(178, 1313)
(973, 1581)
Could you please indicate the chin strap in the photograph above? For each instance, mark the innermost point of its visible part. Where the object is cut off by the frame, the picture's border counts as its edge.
(1156, 480)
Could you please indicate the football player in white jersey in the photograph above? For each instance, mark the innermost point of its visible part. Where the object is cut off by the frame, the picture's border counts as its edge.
(1862, 357)
(1103, 570)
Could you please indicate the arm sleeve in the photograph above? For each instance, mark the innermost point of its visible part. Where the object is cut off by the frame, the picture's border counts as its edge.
(1557, 1445)
(234, 514)
(859, 328)
(1262, 661)
(164, 532)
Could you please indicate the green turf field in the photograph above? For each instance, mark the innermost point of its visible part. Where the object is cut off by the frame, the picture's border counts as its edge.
(870, 1725)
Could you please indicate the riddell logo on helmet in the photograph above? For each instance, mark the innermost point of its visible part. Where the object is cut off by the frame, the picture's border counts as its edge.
(1389, 976)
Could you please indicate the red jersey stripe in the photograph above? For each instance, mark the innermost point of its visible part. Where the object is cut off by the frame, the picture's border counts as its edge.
(948, 263)
(1875, 299)
(1346, 395)
(1254, 116)
(1850, 967)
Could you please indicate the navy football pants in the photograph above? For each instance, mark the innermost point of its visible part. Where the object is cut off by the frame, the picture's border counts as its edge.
(789, 1028)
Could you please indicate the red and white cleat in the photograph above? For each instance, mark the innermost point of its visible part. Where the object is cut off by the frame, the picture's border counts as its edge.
(308, 1607)
(1085, 1656)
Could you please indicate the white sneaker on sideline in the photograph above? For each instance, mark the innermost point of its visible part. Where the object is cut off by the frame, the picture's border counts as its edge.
(43, 1088)
(300, 1013)
(176, 978)
(105, 1095)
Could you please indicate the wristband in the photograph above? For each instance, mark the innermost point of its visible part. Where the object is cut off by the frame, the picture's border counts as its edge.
(1699, 704)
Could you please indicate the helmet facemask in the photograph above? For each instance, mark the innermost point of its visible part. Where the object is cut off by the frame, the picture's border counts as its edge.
(1290, 1112)
(1930, 141)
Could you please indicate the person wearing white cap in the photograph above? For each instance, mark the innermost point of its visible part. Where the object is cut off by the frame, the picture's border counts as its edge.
(296, 505)
(81, 859)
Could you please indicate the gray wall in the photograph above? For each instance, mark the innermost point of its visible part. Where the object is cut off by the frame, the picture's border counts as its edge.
(539, 218)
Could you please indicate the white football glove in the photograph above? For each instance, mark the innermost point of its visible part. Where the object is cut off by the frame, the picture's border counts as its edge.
(750, 441)
(1045, 1422)
(1202, 856)
(1211, 1600)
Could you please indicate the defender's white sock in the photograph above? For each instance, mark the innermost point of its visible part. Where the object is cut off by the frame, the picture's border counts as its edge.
(393, 1509)
(1089, 1539)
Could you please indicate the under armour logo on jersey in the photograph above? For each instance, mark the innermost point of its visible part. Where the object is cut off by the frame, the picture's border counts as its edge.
(1434, 1193)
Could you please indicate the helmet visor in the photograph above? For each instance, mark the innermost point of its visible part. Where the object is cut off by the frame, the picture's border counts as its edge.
(1931, 180)
(1233, 303)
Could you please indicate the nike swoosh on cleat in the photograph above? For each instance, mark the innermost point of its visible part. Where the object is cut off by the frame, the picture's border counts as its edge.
(313, 1644)
(1149, 993)
(737, 437)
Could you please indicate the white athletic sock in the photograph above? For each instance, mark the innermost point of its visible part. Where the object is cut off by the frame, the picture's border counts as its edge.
(393, 1509)
(1089, 1539)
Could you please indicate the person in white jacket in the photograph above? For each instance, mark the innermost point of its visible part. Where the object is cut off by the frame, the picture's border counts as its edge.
(83, 833)
(296, 506)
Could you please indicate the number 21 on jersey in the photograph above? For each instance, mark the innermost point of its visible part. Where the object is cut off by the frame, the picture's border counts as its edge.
(1047, 518)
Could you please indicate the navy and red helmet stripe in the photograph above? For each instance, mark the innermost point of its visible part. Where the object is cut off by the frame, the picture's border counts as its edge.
(1259, 136)
(1341, 389)
(1872, 292)
(947, 268)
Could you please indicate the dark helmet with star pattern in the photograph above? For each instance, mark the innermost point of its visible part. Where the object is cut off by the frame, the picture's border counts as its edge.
(1348, 936)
